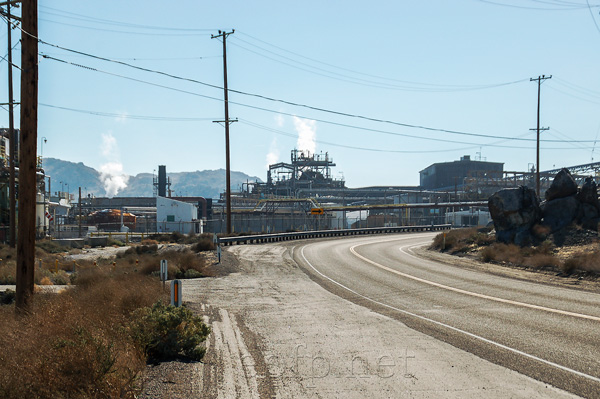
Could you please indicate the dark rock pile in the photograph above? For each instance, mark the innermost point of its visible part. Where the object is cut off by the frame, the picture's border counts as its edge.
(517, 212)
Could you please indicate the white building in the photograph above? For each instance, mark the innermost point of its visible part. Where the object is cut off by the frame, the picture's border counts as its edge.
(173, 215)
(472, 217)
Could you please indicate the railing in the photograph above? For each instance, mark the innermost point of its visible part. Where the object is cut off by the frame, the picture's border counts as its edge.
(262, 238)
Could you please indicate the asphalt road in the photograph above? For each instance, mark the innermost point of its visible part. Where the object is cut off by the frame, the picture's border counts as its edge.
(549, 333)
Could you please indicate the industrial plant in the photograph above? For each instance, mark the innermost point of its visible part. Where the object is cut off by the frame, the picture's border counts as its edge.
(297, 195)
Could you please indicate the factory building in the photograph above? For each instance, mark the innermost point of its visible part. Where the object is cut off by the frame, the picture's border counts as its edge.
(452, 175)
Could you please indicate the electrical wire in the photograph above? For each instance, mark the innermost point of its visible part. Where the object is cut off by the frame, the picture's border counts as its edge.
(559, 7)
(127, 116)
(295, 136)
(572, 95)
(87, 18)
(271, 99)
(305, 117)
(291, 103)
(581, 89)
(121, 31)
(427, 86)
(592, 15)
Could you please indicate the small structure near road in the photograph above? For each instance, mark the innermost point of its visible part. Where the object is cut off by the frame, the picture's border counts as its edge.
(520, 218)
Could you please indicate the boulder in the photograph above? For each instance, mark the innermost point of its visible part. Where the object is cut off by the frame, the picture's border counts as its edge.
(560, 212)
(588, 194)
(588, 216)
(562, 186)
(514, 211)
(591, 223)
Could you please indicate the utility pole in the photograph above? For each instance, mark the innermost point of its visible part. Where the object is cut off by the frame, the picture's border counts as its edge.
(12, 240)
(539, 79)
(28, 155)
(224, 35)
(79, 212)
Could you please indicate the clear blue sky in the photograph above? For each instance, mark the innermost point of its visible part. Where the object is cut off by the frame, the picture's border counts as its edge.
(433, 63)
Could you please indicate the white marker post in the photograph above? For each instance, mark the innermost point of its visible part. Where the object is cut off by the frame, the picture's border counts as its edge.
(176, 293)
(163, 271)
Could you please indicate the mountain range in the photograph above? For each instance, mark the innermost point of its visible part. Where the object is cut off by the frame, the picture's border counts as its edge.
(69, 176)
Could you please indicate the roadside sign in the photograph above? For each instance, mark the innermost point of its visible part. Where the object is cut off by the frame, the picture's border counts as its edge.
(163, 270)
(317, 211)
(176, 293)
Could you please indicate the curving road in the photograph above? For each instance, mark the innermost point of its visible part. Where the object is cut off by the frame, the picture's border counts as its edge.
(551, 334)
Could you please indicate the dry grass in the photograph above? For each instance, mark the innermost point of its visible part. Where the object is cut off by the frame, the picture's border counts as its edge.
(461, 240)
(76, 344)
(584, 262)
(182, 263)
(573, 259)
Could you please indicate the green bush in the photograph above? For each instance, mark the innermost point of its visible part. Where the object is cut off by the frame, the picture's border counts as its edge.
(167, 332)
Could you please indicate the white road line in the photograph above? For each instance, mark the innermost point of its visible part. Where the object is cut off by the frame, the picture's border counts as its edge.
(474, 294)
(499, 345)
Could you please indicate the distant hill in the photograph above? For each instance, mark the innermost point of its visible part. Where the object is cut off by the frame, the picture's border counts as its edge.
(206, 183)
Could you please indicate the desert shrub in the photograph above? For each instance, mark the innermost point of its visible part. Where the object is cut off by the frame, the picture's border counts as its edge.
(168, 332)
(139, 249)
(588, 262)
(51, 247)
(179, 262)
(77, 343)
(570, 265)
(8, 273)
(148, 241)
(541, 261)
(488, 254)
(502, 253)
(459, 240)
(7, 297)
(113, 242)
(6, 252)
(204, 244)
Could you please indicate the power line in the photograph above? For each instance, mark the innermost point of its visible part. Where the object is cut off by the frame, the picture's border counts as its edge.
(88, 18)
(592, 15)
(263, 97)
(123, 31)
(311, 118)
(559, 7)
(127, 116)
(427, 86)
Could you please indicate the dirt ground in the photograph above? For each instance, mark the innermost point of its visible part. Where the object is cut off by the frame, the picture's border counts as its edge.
(276, 333)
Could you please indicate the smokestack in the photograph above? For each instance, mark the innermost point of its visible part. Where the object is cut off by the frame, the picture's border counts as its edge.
(162, 180)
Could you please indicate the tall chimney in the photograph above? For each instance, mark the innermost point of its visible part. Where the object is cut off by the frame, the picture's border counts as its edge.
(162, 180)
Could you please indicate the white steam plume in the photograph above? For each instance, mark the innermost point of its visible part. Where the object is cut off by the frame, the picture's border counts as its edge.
(273, 155)
(111, 173)
(307, 131)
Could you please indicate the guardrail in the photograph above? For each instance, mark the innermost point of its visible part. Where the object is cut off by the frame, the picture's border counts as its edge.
(300, 235)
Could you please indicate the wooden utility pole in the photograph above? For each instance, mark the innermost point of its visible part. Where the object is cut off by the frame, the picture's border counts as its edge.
(224, 35)
(80, 212)
(28, 155)
(539, 79)
(12, 156)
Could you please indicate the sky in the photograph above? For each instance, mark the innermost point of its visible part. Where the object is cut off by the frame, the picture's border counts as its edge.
(386, 88)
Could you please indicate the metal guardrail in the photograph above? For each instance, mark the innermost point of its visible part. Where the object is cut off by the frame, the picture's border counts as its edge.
(300, 235)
